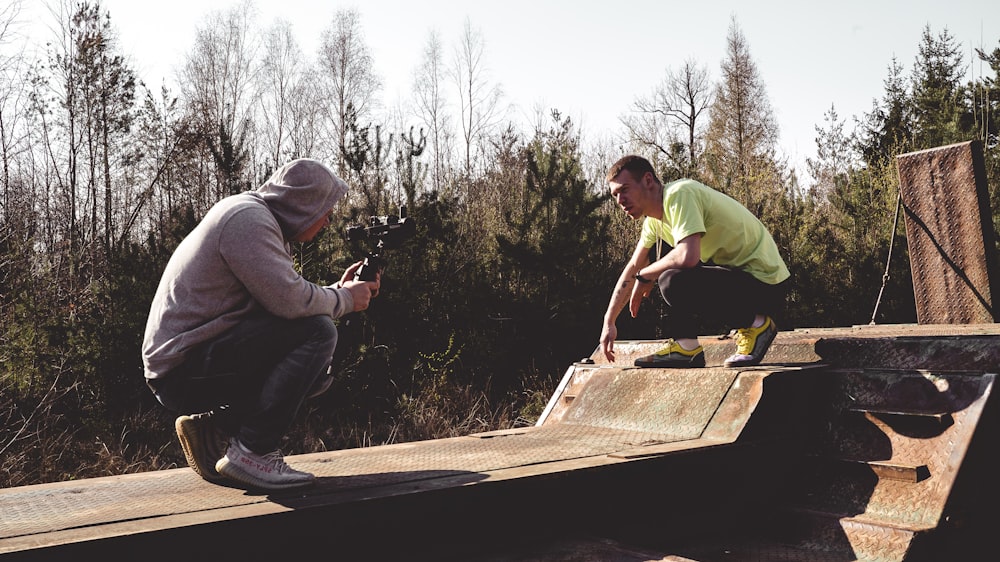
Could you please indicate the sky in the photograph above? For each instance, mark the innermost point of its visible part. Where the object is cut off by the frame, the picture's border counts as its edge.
(592, 59)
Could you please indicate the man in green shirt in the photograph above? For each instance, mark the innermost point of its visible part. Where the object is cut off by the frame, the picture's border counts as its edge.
(719, 265)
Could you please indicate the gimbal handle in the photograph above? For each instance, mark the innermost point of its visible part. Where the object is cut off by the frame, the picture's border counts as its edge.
(372, 265)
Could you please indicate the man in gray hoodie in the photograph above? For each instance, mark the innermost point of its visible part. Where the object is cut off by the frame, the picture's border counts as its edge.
(236, 339)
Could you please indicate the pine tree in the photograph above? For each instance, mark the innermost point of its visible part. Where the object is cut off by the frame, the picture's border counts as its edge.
(742, 130)
(888, 129)
(551, 235)
(834, 157)
(936, 88)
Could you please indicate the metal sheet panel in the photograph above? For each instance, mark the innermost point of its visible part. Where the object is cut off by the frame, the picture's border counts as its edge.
(950, 234)
(677, 403)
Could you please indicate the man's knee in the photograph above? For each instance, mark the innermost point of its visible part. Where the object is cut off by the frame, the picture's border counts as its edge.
(668, 277)
(323, 330)
(677, 285)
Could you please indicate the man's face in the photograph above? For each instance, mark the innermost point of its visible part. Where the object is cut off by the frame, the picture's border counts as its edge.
(313, 230)
(630, 194)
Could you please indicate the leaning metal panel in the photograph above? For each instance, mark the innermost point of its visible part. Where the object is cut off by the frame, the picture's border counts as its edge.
(949, 231)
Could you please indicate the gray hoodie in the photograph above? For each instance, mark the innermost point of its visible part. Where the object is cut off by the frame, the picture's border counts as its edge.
(238, 261)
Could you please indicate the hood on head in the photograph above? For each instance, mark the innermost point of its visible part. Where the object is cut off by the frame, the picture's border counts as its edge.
(300, 193)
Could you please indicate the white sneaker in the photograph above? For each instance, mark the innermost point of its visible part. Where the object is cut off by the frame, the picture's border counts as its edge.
(260, 471)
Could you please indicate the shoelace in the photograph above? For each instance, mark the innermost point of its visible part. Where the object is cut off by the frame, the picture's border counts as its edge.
(744, 343)
(669, 348)
(276, 460)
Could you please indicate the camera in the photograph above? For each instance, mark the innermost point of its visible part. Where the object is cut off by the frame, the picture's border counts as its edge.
(390, 231)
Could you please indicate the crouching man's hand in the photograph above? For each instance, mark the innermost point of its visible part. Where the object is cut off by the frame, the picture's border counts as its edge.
(363, 292)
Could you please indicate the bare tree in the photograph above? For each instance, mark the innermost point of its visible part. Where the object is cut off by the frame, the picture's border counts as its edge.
(281, 71)
(55, 91)
(170, 168)
(432, 106)
(107, 102)
(307, 118)
(12, 100)
(479, 100)
(353, 85)
(81, 104)
(670, 117)
(10, 13)
(218, 85)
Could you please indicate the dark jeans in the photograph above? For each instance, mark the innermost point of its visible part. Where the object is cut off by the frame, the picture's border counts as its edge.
(711, 296)
(254, 377)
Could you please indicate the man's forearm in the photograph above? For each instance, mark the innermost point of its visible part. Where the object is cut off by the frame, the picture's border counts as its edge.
(620, 296)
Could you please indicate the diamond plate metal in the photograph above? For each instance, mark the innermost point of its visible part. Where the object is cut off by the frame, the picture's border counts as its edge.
(678, 403)
(949, 231)
(904, 418)
(46, 508)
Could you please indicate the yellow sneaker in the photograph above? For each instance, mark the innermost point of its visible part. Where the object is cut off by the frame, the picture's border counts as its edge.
(674, 357)
(752, 344)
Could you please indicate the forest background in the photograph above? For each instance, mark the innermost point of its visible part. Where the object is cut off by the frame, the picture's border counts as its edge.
(517, 245)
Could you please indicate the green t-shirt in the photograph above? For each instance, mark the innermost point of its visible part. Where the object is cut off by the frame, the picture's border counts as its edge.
(731, 235)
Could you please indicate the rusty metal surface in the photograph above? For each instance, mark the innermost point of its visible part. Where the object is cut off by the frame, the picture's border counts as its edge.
(832, 538)
(895, 346)
(45, 508)
(918, 425)
(949, 233)
(613, 411)
(911, 438)
(981, 353)
(734, 412)
(789, 347)
(679, 402)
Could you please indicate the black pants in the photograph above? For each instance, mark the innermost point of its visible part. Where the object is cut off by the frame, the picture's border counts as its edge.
(709, 297)
(261, 371)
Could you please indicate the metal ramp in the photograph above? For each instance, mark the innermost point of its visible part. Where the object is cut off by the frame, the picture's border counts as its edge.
(865, 443)
(623, 416)
(884, 474)
(894, 461)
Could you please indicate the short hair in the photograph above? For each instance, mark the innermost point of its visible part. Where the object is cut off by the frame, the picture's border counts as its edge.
(635, 165)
